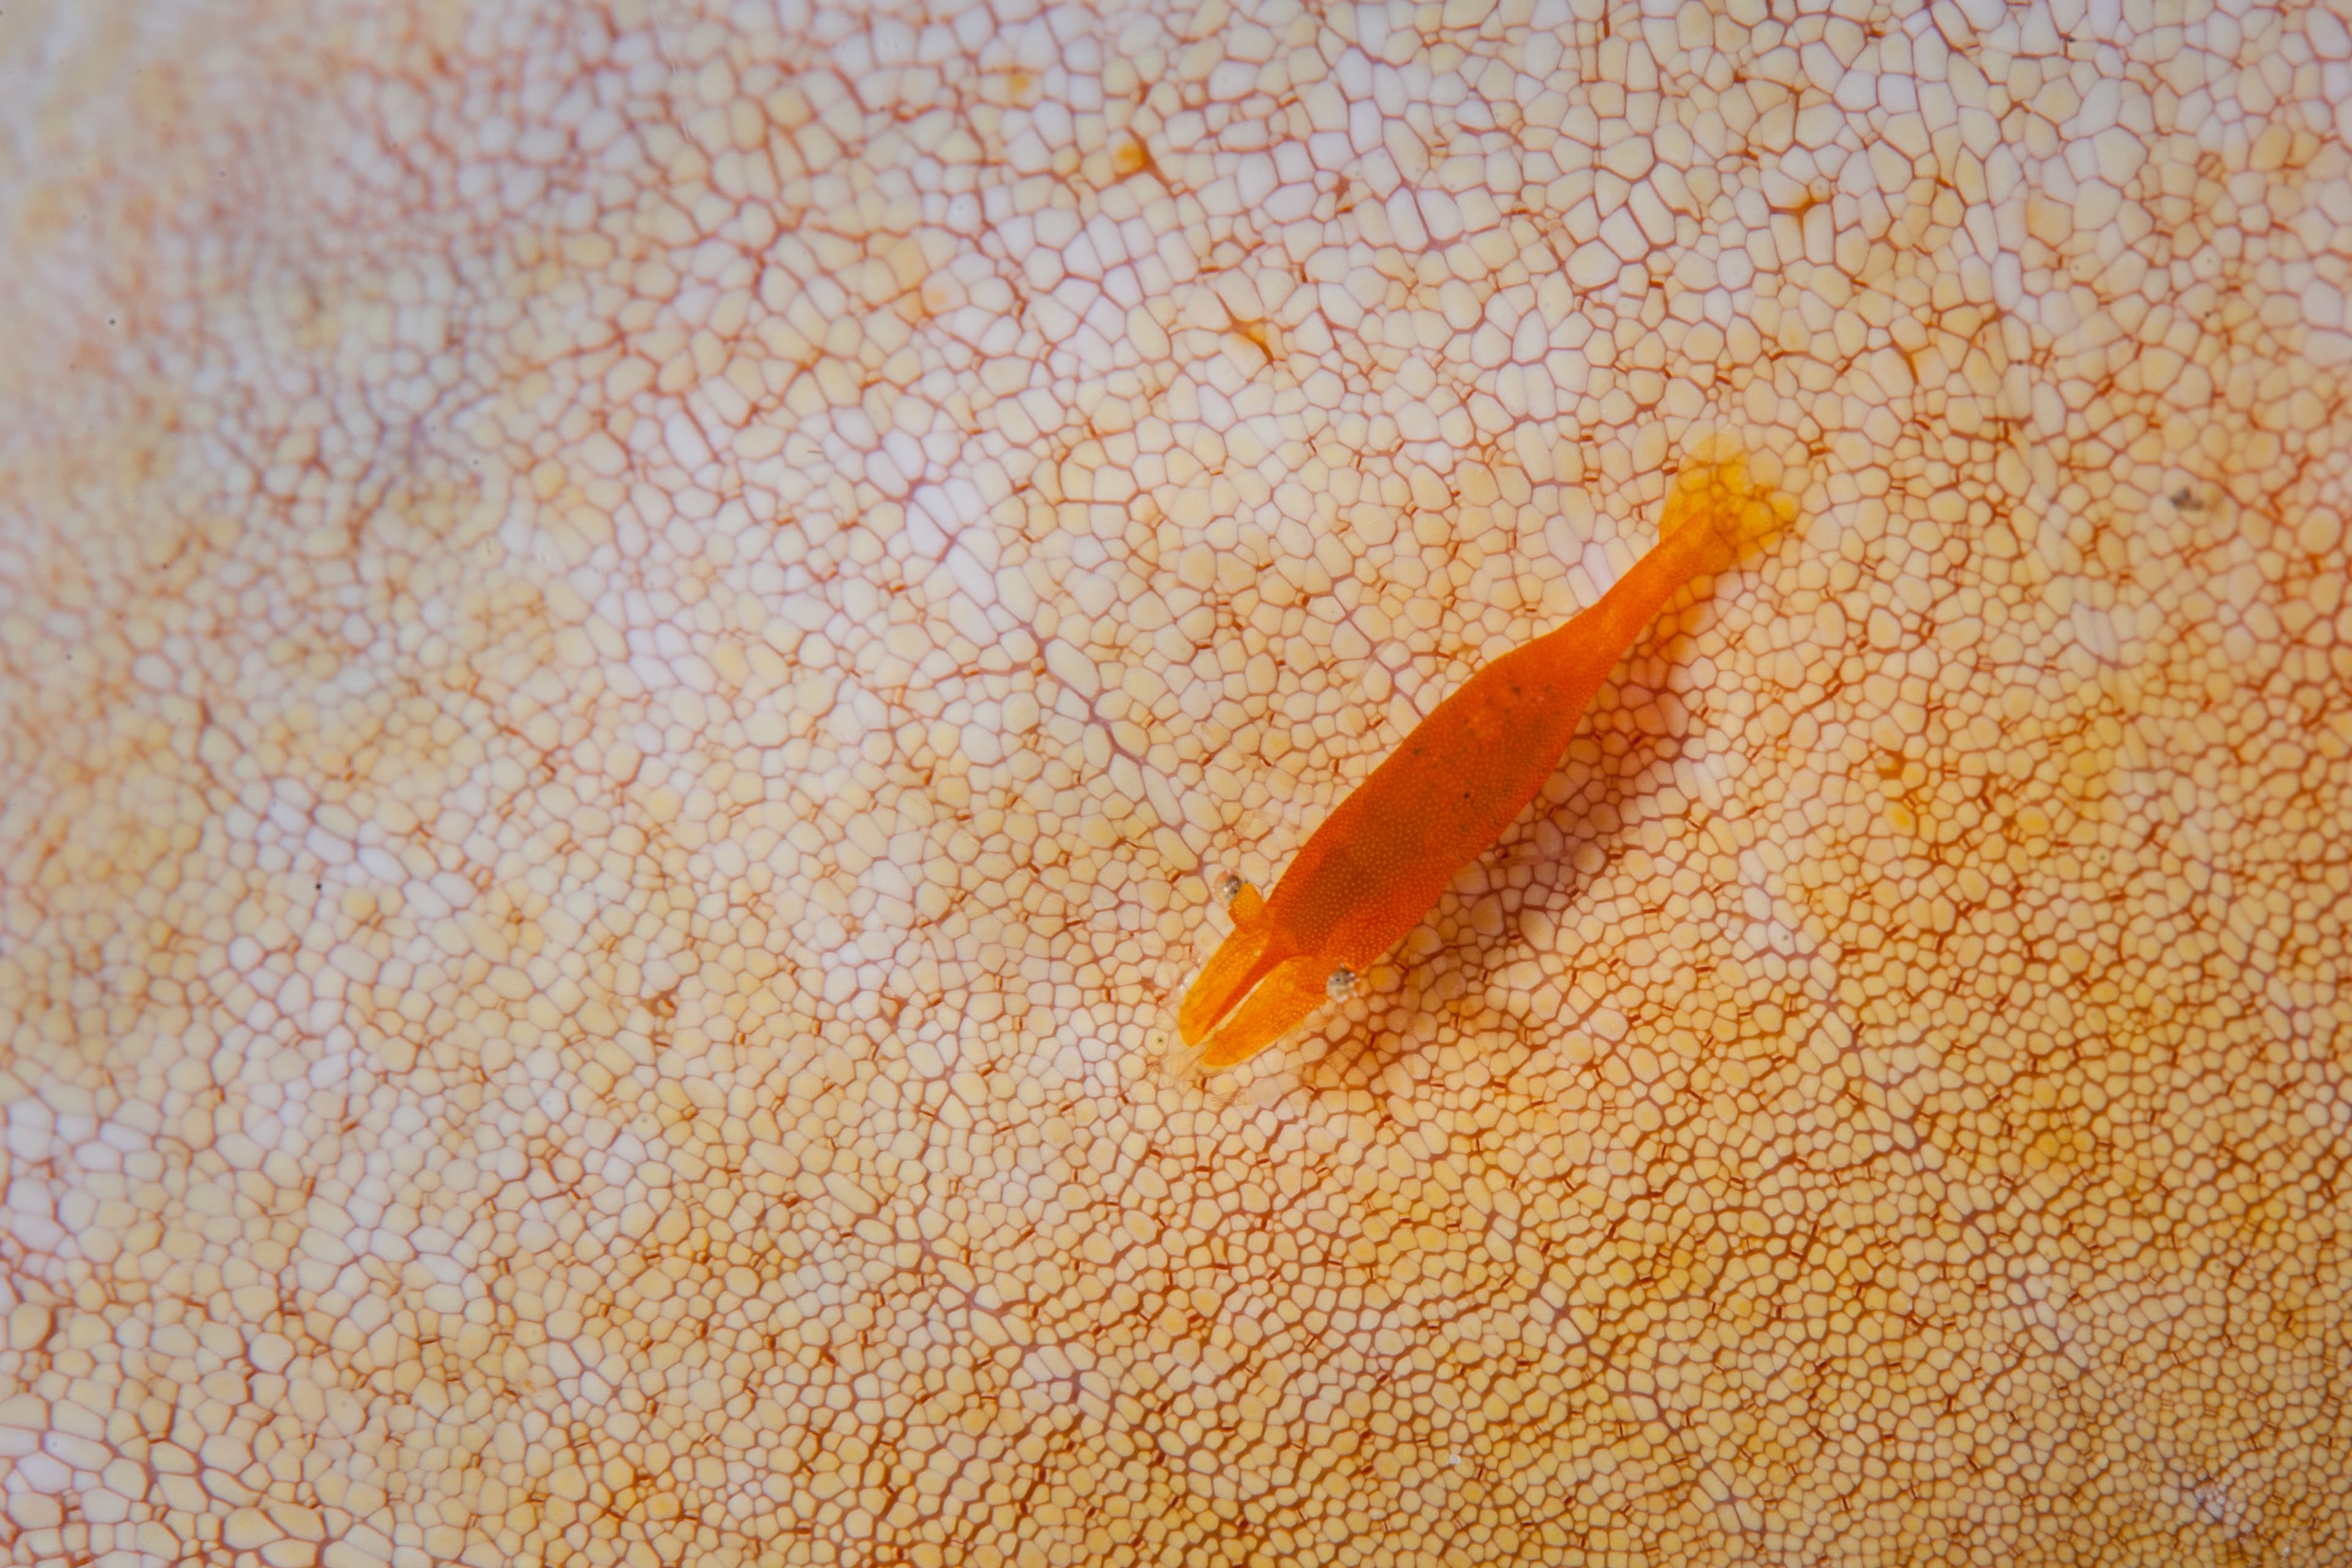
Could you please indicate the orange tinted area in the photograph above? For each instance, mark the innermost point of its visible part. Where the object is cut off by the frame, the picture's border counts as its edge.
(1717, 494)
(624, 630)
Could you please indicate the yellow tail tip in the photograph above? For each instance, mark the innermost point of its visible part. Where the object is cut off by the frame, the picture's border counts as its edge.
(1720, 492)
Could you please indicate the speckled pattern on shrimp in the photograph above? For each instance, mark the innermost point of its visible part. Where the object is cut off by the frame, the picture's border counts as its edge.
(626, 631)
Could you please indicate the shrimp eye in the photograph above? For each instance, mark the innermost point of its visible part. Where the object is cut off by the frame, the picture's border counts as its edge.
(1341, 985)
(1229, 888)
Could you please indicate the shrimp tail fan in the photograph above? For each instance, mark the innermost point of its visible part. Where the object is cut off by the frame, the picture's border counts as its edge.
(1726, 508)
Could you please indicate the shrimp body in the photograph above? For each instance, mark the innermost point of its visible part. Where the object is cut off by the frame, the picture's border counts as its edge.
(1380, 861)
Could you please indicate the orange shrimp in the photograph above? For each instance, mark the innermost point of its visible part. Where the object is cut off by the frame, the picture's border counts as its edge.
(1384, 855)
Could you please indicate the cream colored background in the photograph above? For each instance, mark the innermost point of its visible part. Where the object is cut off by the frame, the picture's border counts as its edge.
(627, 634)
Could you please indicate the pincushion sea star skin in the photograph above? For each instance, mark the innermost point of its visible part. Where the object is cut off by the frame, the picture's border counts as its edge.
(625, 634)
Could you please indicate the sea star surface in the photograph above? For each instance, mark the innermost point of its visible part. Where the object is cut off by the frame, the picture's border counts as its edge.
(634, 637)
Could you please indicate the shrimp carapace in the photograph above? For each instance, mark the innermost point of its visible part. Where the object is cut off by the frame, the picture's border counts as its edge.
(1381, 858)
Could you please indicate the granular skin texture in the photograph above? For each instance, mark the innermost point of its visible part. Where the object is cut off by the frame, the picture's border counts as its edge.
(632, 638)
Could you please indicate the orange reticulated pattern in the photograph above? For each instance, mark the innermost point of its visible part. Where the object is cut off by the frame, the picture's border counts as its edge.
(628, 632)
